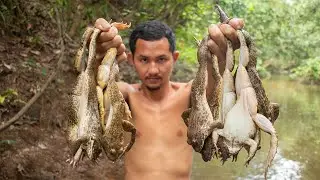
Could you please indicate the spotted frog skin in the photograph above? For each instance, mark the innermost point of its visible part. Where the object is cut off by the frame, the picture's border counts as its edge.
(242, 121)
(118, 119)
(94, 94)
(198, 118)
(85, 129)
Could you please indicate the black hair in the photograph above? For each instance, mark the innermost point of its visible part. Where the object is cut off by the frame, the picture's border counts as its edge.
(152, 30)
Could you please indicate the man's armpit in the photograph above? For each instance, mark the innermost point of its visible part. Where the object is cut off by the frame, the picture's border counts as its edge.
(125, 89)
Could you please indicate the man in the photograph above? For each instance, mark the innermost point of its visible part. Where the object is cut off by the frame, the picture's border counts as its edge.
(161, 150)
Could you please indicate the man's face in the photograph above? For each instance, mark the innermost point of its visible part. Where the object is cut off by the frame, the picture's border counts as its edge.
(154, 62)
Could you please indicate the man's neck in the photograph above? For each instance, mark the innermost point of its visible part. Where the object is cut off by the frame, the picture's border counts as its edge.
(156, 95)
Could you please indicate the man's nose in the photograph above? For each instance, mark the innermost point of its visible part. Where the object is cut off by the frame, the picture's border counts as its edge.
(153, 68)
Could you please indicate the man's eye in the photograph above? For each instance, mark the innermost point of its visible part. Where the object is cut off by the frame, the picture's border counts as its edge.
(162, 60)
(144, 60)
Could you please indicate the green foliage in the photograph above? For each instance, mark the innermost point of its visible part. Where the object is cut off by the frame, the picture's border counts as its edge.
(286, 32)
(309, 70)
(7, 94)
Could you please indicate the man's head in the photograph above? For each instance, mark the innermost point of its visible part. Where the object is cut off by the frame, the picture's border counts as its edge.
(152, 45)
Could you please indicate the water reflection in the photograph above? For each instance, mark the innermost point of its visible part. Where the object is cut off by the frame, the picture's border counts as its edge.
(298, 154)
(282, 169)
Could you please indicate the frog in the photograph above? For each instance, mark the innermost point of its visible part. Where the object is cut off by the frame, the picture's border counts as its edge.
(198, 118)
(243, 121)
(229, 100)
(269, 109)
(84, 121)
(103, 75)
(214, 99)
(118, 120)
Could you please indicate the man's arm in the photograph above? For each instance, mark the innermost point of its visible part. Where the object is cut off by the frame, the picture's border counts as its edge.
(125, 89)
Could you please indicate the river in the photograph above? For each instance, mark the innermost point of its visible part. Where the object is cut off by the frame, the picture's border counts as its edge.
(298, 129)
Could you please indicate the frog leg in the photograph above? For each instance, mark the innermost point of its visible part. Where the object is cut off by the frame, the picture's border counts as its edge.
(257, 139)
(234, 157)
(185, 116)
(101, 106)
(208, 149)
(80, 61)
(129, 127)
(215, 136)
(75, 159)
(252, 150)
(264, 123)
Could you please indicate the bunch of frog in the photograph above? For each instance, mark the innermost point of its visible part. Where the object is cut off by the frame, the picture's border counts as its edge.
(99, 115)
(226, 119)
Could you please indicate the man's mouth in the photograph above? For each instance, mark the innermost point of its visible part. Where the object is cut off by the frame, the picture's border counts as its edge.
(153, 79)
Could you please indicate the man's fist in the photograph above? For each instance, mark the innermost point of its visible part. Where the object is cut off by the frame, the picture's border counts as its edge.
(109, 38)
(217, 43)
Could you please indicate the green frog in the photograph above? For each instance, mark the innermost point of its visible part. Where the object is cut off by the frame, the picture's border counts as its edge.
(85, 129)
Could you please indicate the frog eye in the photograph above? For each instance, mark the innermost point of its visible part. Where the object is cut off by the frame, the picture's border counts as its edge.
(112, 151)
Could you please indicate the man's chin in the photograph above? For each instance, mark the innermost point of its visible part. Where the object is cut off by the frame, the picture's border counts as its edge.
(153, 88)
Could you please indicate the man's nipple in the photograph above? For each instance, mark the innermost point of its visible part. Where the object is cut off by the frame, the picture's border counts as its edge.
(179, 133)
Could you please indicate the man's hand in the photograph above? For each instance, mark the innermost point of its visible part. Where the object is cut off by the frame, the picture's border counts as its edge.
(109, 38)
(217, 43)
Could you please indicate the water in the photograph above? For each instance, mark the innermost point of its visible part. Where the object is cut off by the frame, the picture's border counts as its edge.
(298, 128)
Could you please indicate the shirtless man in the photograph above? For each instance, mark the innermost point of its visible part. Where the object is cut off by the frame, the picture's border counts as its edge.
(161, 150)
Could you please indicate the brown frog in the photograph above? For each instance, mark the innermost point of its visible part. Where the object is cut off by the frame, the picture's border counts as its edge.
(265, 107)
(114, 111)
(117, 121)
(214, 99)
(198, 118)
(243, 121)
(103, 75)
(85, 128)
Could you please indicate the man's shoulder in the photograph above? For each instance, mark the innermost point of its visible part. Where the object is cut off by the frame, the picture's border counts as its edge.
(181, 85)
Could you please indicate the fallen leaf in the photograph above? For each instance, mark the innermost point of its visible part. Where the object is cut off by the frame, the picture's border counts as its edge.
(35, 52)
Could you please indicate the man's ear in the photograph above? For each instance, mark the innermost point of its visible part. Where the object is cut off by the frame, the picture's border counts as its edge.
(175, 56)
(130, 58)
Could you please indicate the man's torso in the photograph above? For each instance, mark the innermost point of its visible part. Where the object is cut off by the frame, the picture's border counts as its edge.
(160, 150)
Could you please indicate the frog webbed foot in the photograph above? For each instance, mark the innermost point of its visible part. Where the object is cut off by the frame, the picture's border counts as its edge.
(208, 149)
(234, 157)
(73, 161)
(129, 127)
(275, 110)
(253, 145)
(215, 137)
